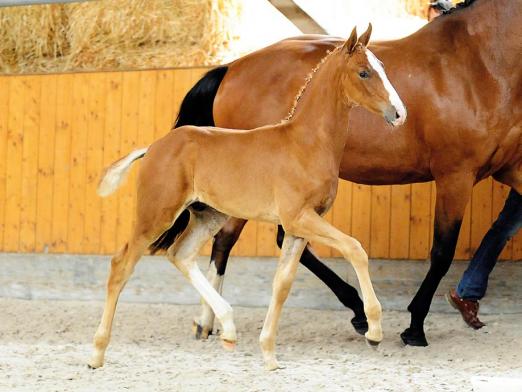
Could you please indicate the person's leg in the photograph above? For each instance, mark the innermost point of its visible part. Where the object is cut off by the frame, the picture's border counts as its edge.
(473, 284)
(474, 281)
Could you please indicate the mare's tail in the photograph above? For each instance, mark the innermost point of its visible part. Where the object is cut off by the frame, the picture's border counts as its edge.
(196, 109)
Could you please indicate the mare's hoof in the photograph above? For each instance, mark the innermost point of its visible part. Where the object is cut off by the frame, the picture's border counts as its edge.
(414, 338)
(360, 324)
(228, 345)
(200, 332)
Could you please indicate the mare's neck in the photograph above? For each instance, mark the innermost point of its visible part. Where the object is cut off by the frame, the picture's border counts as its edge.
(492, 27)
(321, 114)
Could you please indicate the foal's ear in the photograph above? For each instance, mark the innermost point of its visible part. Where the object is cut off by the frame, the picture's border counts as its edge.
(350, 43)
(365, 38)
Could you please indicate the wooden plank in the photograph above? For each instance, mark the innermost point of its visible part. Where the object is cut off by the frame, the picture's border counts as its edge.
(62, 154)
(420, 221)
(164, 111)
(30, 163)
(323, 250)
(44, 210)
(517, 247)
(266, 239)
(400, 221)
(128, 142)
(380, 222)
(248, 240)
(463, 251)
(481, 211)
(182, 84)
(500, 193)
(342, 210)
(94, 162)
(78, 158)
(147, 101)
(4, 108)
(361, 214)
(13, 186)
(111, 147)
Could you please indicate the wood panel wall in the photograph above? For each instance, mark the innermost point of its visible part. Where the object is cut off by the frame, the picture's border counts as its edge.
(59, 131)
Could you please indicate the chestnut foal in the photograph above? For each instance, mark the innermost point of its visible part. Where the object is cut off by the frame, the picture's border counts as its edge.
(262, 174)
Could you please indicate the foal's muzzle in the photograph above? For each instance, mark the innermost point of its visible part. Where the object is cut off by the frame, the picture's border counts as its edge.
(395, 116)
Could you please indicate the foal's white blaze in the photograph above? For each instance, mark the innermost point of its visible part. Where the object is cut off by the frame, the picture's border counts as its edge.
(393, 96)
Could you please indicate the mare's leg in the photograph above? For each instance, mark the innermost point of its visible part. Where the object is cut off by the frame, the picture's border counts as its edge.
(453, 193)
(344, 292)
(283, 279)
(122, 266)
(224, 240)
(203, 226)
(313, 227)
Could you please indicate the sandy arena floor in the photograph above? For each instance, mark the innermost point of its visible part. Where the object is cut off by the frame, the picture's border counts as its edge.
(44, 346)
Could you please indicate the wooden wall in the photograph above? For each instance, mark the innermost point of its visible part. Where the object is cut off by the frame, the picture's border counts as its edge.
(59, 131)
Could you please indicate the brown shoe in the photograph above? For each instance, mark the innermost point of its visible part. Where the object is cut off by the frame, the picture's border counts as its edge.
(467, 308)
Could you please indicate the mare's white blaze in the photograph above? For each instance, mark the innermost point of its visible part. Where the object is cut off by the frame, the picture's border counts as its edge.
(393, 96)
(206, 320)
(117, 172)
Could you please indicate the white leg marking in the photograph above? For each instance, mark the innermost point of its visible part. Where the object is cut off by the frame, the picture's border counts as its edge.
(206, 319)
(221, 308)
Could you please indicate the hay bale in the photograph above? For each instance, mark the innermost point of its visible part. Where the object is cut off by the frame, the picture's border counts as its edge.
(116, 34)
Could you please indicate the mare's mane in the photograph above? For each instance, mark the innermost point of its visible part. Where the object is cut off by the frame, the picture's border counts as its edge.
(459, 6)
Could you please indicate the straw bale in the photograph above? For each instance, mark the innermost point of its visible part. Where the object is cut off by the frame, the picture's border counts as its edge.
(116, 34)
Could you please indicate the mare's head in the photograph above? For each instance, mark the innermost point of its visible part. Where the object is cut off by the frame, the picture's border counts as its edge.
(365, 83)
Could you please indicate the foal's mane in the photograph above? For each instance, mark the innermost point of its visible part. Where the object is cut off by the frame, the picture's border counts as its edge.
(459, 6)
(308, 79)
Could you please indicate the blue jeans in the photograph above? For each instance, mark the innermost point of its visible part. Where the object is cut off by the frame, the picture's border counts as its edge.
(474, 281)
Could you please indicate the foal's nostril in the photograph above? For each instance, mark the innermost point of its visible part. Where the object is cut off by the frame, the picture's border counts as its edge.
(397, 116)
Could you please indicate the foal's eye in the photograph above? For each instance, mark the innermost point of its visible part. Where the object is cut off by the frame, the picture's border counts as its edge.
(364, 75)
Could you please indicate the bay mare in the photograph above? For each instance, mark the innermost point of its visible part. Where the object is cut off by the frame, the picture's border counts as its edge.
(197, 167)
(461, 79)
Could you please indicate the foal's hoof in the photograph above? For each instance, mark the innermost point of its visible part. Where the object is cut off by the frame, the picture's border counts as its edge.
(360, 324)
(94, 364)
(372, 343)
(229, 345)
(414, 338)
(200, 332)
(271, 365)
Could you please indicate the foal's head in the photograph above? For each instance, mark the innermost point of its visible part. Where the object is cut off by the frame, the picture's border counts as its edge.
(365, 83)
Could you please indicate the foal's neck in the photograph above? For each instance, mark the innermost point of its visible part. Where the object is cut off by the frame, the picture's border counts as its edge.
(321, 114)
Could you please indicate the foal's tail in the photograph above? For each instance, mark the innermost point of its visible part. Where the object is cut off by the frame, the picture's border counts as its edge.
(117, 172)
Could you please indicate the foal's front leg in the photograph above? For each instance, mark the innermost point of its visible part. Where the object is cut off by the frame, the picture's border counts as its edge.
(286, 269)
(313, 227)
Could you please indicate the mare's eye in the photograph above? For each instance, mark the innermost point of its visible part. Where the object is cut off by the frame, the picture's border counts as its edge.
(364, 75)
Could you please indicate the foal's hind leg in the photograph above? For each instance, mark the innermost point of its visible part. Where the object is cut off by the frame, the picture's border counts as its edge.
(313, 227)
(122, 266)
(291, 251)
(224, 240)
(203, 226)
